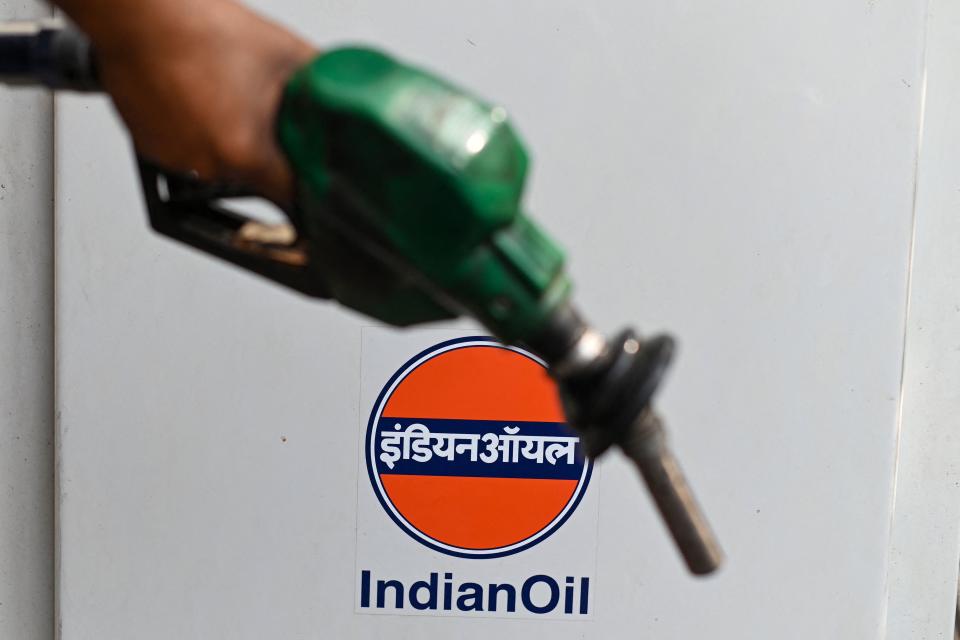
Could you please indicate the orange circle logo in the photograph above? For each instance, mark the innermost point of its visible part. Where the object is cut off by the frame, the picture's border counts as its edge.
(469, 453)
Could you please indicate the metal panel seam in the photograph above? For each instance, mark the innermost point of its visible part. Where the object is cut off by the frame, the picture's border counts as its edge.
(906, 325)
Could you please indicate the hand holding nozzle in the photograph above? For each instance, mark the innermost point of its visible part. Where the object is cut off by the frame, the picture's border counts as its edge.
(199, 96)
(512, 276)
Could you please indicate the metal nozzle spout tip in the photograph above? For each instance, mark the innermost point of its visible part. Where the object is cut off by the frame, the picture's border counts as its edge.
(674, 499)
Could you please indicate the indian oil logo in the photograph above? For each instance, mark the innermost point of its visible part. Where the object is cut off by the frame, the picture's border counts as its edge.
(468, 451)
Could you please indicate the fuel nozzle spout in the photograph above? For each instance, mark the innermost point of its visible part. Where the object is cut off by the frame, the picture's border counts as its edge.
(607, 388)
(645, 445)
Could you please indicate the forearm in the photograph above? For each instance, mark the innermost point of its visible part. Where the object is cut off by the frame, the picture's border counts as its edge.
(118, 22)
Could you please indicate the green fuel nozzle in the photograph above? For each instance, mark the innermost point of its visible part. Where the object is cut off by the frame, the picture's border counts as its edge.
(409, 209)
